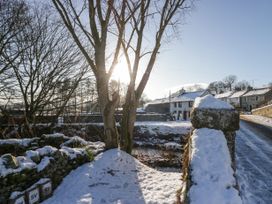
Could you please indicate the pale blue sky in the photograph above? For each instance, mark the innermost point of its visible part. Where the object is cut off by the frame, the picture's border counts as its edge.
(221, 37)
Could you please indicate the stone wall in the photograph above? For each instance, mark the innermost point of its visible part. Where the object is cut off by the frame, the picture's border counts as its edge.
(215, 115)
(49, 157)
(92, 118)
(264, 111)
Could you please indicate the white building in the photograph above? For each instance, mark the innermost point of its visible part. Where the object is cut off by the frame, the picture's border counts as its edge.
(181, 105)
(235, 98)
(224, 96)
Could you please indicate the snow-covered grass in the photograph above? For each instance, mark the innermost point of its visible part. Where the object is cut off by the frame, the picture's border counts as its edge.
(212, 175)
(116, 177)
(258, 119)
(165, 128)
(209, 101)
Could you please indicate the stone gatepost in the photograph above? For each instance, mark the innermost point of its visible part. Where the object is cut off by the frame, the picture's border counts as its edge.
(214, 114)
(217, 118)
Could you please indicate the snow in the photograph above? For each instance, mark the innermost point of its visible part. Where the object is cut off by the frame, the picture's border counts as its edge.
(209, 102)
(165, 128)
(22, 142)
(172, 146)
(238, 94)
(24, 163)
(44, 163)
(15, 194)
(187, 96)
(253, 164)
(224, 95)
(116, 177)
(31, 153)
(258, 119)
(211, 169)
(258, 92)
(72, 152)
(46, 150)
(55, 135)
(73, 140)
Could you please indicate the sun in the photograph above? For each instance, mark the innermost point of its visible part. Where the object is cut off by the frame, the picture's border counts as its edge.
(120, 72)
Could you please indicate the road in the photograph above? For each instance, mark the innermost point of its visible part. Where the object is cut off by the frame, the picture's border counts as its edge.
(254, 162)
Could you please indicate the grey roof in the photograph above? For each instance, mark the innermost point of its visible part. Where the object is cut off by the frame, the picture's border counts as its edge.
(224, 95)
(187, 96)
(257, 92)
(238, 94)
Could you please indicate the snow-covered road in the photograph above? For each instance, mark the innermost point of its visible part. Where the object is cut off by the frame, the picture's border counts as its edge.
(254, 162)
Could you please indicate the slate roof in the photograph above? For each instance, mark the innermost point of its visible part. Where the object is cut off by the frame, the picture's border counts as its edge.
(257, 92)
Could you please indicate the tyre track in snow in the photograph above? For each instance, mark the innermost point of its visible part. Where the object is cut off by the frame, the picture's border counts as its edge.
(254, 163)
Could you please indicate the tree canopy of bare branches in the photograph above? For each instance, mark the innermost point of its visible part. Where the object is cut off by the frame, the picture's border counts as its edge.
(134, 29)
(47, 59)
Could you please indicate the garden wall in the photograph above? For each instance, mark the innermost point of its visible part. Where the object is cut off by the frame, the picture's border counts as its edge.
(263, 111)
(34, 163)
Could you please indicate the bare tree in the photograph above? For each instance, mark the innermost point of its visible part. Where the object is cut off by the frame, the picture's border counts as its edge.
(230, 81)
(49, 57)
(13, 19)
(242, 85)
(124, 25)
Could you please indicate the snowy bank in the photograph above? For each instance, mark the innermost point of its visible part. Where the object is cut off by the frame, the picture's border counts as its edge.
(211, 173)
(258, 119)
(116, 177)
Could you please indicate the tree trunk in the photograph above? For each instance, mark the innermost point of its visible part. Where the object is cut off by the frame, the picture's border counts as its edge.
(128, 120)
(107, 107)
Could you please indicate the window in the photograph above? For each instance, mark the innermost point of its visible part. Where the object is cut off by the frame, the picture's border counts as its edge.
(191, 104)
(180, 104)
(256, 98)
(175, 104)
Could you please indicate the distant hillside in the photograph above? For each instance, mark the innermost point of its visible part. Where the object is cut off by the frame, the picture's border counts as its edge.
(189, 87)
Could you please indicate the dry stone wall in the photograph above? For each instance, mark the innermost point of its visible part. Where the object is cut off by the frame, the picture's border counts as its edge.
(30, 175)
(265, 111)
(210, 114)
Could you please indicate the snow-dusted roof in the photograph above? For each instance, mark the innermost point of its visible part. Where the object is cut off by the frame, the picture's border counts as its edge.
(224, 95)
(238, 94)
(256, 92)
(187, 96)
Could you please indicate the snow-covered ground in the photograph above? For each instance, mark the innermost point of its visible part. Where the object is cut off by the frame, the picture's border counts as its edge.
(116, 177)
(258, 119)
(164, 128)
(254, 164)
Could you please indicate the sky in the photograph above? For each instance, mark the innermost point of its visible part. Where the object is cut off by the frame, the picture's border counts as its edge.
(219, 38)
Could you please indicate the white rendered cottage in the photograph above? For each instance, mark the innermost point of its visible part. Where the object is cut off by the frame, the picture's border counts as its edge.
(181, 105)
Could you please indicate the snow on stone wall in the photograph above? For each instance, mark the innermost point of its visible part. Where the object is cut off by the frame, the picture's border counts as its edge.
(211, 173)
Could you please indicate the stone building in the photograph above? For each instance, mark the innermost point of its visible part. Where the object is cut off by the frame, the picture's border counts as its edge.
(256, 98)
(224, 96)
(236, 98)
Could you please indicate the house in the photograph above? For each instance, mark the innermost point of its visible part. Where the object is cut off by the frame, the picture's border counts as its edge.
(178, 105)
(224, 96)
(256, 98)
(181, 105)
(236, 98)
